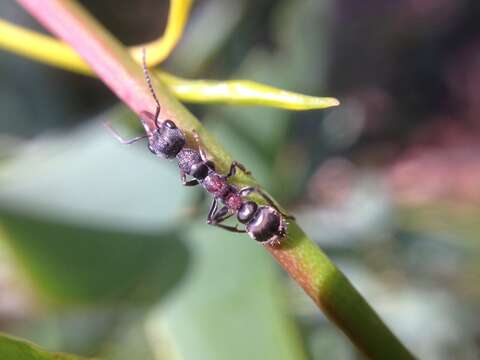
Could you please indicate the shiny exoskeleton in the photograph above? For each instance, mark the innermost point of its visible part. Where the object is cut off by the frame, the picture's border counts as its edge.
(266, 224)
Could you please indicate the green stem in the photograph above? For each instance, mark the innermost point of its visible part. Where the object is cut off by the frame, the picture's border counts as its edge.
(298, 255)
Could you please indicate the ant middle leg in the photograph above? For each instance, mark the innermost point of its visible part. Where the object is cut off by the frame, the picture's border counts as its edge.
(250, 189)
(119, 137)
(233, 169)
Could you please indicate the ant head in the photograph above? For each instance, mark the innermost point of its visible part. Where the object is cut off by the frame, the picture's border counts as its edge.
(167, 140)
(247, 211)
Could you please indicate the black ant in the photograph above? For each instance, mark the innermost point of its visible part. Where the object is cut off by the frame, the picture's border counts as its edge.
(166, 139)
(265, 224)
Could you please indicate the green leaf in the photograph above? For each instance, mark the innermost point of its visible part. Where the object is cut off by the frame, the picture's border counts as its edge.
(15, 349)
(72, 263)
(233, 305)
(89, 225)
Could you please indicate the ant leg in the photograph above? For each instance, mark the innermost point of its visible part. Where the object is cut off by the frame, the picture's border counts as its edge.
(233, 169)
(223, 218)
(272, 203)
(183, 177)
(215, 218)
(119, 137)
(219, 216)
(201, 150)
(190, 183)
(212, 211)
(216, 215)
(210, 164)
(248, 190)
(231, 228)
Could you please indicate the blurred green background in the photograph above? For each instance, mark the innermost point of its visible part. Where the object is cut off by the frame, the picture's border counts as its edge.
(104, 253)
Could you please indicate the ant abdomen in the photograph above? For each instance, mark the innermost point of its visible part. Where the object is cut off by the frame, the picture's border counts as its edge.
(266, 226)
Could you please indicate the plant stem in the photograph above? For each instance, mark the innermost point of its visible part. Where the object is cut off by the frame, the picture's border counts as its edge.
(298, 255)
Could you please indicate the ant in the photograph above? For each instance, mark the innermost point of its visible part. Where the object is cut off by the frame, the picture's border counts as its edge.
(265, 224)
(166, 139)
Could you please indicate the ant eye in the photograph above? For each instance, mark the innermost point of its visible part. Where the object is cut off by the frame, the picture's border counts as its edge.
(170, 124)
(152, 150)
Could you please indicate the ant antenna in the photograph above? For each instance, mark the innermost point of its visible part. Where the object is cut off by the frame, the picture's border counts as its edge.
(149, 83)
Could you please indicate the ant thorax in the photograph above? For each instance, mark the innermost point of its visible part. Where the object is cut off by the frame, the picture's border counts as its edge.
(233, 201)
(186, 158)
(216, 184)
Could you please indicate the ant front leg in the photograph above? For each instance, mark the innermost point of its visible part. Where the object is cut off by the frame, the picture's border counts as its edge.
(233, 169)
(119, 137)
(248, 190)
(183, 178)
(201, 150)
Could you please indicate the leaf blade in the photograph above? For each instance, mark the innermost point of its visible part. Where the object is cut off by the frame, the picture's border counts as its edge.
(18, 349)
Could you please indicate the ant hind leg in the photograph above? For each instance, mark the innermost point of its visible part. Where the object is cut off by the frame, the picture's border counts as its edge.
(230, 228)
(272, 203)
(216, 217)
(249, 189)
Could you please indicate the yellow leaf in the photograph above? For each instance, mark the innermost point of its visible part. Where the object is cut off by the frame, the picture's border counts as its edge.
(242, 92)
